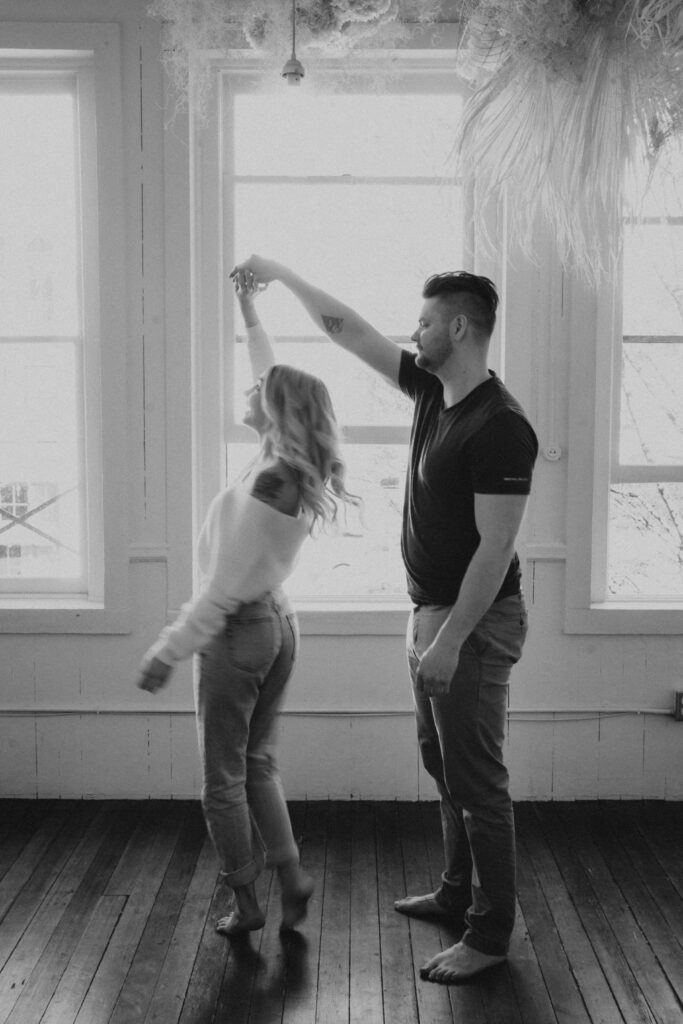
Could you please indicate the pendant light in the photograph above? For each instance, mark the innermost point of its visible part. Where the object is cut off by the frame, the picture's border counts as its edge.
(293, 70)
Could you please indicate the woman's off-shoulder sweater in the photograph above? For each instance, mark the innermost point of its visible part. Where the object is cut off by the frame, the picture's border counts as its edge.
(245, 550)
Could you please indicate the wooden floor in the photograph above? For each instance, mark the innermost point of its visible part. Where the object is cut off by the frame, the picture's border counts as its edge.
(107, 914)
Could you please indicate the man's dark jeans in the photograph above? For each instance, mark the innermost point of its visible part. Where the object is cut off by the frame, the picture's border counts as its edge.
(461, 737)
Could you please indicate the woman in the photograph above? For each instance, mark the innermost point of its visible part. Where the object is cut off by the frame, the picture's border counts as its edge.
(245, 629)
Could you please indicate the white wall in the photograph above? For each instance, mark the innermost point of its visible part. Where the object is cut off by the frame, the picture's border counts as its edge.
(72, 722)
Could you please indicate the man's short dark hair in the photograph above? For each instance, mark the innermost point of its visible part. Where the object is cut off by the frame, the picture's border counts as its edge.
(476, 296)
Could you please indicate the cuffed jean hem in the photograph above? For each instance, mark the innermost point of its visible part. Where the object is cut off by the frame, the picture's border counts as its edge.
(483, 945)
(451, 900)
(245, 875)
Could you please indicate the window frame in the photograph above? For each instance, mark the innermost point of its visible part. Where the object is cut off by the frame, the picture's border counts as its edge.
(92, 54)
(595, 404)
(213, 307)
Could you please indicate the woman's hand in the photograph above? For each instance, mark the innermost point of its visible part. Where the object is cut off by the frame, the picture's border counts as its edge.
(246, 287)
(153, 675)
(246, 290)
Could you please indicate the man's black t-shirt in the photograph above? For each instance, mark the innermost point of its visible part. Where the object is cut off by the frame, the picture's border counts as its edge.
(482, 445)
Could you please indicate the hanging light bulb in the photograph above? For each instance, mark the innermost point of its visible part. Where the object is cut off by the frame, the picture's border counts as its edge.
(293, 70)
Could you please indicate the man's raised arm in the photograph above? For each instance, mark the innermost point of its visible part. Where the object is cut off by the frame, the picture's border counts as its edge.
(341, 323)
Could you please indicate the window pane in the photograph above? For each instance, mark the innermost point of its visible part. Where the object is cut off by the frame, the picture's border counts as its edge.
(39, 253)
(380, 134)
(359, 396)
(653, 250)
(41, 531)
(660, 192)
(653, 271)
(370, 245)
(361, 557)
(652, 403)
(646, 541)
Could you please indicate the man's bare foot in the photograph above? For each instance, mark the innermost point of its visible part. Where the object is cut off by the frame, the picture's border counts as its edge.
(295, 903)
(457, 963)
(237, 923)
(424, 907)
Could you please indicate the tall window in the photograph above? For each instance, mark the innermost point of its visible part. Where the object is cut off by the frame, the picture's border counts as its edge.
(63, 330)
(351, 184)
(645, 532)
(625, 498)
(42, 498)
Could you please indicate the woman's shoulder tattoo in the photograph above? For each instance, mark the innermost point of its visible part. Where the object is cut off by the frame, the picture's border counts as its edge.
(268, 486)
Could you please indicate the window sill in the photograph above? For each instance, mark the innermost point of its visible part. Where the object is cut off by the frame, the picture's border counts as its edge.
(626, 617)
(54, 614)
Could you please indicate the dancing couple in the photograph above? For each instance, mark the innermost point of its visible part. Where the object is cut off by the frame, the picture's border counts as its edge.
(471, 458)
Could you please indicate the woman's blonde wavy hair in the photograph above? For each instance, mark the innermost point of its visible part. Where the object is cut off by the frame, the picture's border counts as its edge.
(302, 430)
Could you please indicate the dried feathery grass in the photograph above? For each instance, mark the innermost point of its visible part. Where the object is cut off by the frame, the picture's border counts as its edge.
(571, 99)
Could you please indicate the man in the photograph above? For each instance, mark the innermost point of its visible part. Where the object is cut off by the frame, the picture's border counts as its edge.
(472, 453)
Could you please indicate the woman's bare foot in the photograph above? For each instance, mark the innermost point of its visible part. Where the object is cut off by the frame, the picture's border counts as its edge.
(237, 923)
(247, 915)
(457, 963)
(297, 889)
(295, 904)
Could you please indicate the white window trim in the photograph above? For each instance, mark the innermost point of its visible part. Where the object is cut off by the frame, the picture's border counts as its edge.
(593, 396)
(104, 609)
(211, 309)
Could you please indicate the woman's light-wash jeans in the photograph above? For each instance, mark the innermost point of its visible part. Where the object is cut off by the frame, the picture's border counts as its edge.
(461, 736)
(239, 691)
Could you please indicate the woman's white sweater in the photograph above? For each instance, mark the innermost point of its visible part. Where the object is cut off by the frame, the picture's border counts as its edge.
(245, 550)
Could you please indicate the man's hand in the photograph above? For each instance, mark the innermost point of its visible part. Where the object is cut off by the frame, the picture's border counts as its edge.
(256, 272)
(437, 668)
(153, 675)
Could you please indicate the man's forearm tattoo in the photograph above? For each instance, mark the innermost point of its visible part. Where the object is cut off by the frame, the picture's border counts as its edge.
(333, 324)
(268, 486)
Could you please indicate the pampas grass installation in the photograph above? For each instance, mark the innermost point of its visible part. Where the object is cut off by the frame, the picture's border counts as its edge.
(571, 100)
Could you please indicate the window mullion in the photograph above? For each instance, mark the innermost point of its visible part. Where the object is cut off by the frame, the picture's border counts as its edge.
(647, 474)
